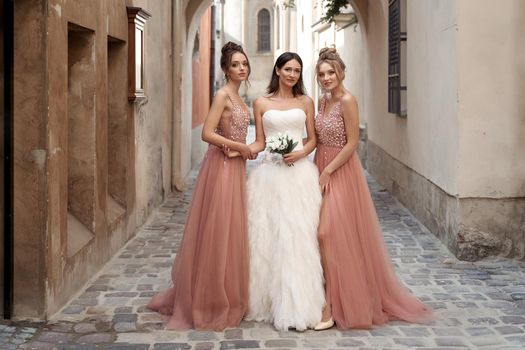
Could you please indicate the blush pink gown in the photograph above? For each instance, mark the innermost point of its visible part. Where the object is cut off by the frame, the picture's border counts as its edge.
(210, 272)
(361, 283)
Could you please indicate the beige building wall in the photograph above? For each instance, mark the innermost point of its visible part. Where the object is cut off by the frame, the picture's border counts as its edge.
(240, 26)
(454, 160)
(261, 62)
(491, 64)
(304, 45)
(346, 38)
(427, 140)
(152, 125)
(89, 165)
(349, 43)
(491, 115)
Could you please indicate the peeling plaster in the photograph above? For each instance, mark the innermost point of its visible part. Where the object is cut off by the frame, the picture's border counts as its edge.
(39, 157)
(58, 9)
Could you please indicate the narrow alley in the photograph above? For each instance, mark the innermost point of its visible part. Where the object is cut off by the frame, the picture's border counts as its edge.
(479, 305)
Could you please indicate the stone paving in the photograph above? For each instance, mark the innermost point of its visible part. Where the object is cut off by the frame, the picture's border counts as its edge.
(13, 335)
(479, 305)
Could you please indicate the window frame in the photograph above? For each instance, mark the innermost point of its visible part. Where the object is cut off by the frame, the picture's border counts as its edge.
(260, 48)
(396, 62)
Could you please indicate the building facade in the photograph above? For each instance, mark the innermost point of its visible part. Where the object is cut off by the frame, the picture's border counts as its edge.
(252, 24)
(103, 117)
(443, 112)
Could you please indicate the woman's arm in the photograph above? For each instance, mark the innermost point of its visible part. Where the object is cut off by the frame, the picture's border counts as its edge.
(212, 120)
(311, 139)
(260, 141)
(351, 121)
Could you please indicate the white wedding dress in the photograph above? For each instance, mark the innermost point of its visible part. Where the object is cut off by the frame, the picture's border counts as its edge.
(286, 277)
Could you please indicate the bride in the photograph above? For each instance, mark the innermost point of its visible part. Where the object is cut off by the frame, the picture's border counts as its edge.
(284, 199)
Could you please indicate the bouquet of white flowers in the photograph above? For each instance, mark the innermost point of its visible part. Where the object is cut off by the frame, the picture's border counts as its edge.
(280, 143)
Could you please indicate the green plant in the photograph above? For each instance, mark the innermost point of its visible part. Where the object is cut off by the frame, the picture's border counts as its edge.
(289, 3)
(333, 8)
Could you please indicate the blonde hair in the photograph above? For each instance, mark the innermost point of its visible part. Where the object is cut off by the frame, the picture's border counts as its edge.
(329, 55)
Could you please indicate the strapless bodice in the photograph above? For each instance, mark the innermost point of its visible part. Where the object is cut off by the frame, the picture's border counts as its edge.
(291, 121)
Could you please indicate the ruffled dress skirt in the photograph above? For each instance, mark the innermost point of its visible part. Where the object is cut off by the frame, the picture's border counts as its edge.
(210, 273)
(286, 277)
(362, 284)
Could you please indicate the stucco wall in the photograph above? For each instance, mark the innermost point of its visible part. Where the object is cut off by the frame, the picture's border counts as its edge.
(305, 46)
(30, 209)
(492, 108)
(350, 45)
(201, 72)
(455, 160)
(201, 88)
(432, 125)
(240, 26)
(49, 141)
(427, 140)
(152, 118)
(233, 17)
(261, 62)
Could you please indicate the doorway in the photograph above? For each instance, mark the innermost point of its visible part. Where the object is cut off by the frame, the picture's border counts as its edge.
(6, 184)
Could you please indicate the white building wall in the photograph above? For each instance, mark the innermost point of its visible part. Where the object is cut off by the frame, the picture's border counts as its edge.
(304, 44)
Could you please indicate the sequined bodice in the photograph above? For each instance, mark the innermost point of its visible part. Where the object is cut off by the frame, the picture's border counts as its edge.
(235, 126)
(330, 128)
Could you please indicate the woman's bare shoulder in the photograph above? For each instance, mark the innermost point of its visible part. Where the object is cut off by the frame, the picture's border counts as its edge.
(306, 101)
(221, 94)
(348, 98)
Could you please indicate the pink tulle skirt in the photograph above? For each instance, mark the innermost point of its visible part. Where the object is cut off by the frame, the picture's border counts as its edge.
(210, 272)
(361, 283)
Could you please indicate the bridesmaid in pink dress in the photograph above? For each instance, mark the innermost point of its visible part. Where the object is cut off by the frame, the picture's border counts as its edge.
(360, 282)
(210, 272)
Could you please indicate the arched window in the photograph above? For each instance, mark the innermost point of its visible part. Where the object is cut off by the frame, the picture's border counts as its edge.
(263, 31)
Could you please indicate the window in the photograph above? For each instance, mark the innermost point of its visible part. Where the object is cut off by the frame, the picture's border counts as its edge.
(136, 20)
(397, 38)
(263, 31)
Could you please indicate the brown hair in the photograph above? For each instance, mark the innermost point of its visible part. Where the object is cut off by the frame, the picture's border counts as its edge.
(329, 55)
(298, 89)
(227, 52)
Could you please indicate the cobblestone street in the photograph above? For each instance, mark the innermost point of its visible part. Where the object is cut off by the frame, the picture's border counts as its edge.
(479, 305)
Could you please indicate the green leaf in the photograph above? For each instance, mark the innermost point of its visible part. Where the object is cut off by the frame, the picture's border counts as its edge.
(333, 8)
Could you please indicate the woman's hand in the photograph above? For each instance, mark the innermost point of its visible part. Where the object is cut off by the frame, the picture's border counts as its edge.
(246, 152)
(324, 179)
(228, 152)
(292, 157)
(233, 154)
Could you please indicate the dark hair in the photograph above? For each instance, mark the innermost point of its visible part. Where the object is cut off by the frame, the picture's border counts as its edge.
(298, 88)
(227, 52)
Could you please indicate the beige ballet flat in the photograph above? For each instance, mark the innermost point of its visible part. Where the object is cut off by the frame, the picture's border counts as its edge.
(321, 326)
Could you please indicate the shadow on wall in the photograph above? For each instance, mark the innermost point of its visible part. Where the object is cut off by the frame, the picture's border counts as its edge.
(518, 57)
(518, 61)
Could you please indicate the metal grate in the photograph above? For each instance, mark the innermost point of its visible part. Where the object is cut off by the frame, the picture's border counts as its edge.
(263, 32)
